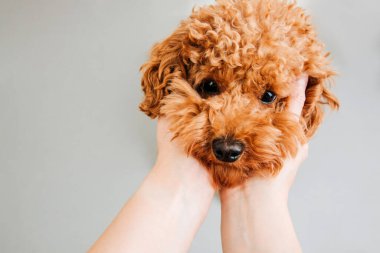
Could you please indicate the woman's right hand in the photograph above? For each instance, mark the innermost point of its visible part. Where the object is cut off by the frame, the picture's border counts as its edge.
(255, 215)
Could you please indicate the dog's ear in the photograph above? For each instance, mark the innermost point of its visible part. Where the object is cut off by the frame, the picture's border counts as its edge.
(317, 95)
(164, 65)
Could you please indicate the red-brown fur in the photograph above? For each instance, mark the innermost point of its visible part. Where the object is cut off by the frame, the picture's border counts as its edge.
(247, 46)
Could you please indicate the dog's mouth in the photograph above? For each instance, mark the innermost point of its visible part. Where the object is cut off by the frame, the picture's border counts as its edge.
(227, 150)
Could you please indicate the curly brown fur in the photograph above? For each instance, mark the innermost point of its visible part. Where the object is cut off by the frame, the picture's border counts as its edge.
(247, 47)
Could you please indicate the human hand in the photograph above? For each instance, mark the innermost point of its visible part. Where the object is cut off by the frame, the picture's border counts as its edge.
(169, 150)
(174, 164)
(255, 215)
(168, 208)
(282, 182)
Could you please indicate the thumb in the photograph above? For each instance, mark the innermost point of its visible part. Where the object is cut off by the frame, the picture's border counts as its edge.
(298, 96)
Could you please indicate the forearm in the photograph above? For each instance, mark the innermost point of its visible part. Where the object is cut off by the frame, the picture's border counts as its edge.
(257, 220)
(163, 215)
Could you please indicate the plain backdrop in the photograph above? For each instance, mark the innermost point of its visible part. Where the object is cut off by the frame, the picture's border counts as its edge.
(74, 146)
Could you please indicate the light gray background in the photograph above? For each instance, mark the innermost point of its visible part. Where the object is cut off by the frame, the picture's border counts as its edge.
(74, 147)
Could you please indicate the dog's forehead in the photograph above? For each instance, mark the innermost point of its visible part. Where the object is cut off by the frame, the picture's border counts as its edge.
(240, 40)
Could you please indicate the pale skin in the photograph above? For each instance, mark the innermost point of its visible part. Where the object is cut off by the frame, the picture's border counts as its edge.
(255, 215)
(172, 202)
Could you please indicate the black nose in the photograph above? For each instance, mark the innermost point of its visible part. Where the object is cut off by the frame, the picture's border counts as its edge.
(227, 150)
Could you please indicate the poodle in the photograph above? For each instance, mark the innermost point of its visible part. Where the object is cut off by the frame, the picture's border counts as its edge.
(223, 80)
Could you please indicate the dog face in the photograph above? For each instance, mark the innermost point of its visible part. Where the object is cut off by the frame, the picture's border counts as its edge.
(223, 80)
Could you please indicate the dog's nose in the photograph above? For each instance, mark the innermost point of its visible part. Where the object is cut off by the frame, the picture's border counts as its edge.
(227, 150)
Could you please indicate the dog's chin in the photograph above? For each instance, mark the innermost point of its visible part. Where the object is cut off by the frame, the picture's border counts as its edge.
(228, 175)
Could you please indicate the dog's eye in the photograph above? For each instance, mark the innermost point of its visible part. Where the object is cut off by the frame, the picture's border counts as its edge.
(268, 97)
(208, 88)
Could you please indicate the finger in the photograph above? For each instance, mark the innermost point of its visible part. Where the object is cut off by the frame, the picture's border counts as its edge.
(303, 151)
(297, 98)
(163, 131)
(162, 124)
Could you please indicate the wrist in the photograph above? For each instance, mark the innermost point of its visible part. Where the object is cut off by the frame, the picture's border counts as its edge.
(184, 185)
(257, 192)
